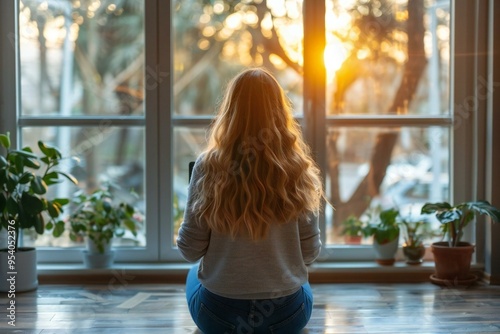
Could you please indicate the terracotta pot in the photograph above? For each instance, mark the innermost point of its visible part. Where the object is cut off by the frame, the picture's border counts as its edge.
(452, 263)
(352, 239)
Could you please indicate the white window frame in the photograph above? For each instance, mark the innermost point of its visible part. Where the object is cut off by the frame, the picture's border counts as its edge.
(159, 122)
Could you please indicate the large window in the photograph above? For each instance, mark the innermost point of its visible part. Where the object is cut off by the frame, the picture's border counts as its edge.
(387, 107)
(129, 88)
(385, 113)
(82, 83)
(212, 42)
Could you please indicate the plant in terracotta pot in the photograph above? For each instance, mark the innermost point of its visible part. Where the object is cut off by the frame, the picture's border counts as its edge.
(352, 230)
(452, 258)
(98, 218)
(25, 179)
(384, 228)
(414, 233)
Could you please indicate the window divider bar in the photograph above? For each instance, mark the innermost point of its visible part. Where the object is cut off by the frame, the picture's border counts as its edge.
(192, 121)
(389, 121)
(203, 121)
(82, 121)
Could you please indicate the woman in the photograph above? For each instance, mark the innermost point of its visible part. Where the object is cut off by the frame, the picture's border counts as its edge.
(251, 215)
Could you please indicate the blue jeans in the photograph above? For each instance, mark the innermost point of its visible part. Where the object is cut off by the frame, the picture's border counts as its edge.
(219, 315)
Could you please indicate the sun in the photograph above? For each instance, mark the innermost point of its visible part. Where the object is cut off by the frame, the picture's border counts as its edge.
(334, 55)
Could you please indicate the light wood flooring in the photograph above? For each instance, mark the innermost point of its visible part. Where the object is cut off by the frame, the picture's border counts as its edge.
(119, 307)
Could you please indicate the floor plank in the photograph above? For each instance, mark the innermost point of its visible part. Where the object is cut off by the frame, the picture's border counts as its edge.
(338, 308)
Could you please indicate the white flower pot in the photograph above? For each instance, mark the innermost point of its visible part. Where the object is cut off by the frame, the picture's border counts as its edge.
(385, 254)
(92, 258)
(23, 275)
(97, 260)
(92, 247)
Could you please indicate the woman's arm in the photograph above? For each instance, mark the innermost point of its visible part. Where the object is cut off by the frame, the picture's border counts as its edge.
(194, 236)
(310, 238)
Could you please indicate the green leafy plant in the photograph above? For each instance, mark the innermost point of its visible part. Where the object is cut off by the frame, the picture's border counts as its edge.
(100, 219)
(415, 232)
(352, 226)
(383, 227)
(455, 218)
(25, 178)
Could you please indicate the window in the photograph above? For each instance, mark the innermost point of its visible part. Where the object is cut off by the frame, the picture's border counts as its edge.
(387, 64)
(82, 88)
(132, 95)
(385, 115)
(212, 41)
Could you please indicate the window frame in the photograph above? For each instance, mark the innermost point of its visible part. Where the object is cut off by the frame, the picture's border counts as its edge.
(159, 124)
(14, 122)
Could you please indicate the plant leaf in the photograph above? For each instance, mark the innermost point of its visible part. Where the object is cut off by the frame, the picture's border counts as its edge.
(484, 208)
(54, 210)
(25, 152)
(130, 225)
(5, 140)
(49, 151)
(38, 185)
(12, 206)
(32, 205)
(448, 216)
(31, 163)
(433, 207)
(3, 202)
(39, 223)
(20, 163)
(69, 177)
(61, 201)
(3, 162)
(58, 229)
(51, 178)
(26, 177)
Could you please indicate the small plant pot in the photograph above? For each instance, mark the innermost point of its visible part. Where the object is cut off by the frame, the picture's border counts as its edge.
(92, 258)
(352, 239)
(98, 260)
(385, 254)
(93, 249)
(414, 255)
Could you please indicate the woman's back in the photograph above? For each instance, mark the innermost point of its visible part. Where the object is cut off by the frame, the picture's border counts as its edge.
(251, 215)
(240, 267)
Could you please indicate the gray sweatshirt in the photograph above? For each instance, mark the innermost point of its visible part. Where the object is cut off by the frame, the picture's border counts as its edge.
(244, 269)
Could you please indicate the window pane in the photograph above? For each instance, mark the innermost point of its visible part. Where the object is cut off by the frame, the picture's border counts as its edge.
(100, 154)
(388, 57)
(188, 144)
(213, 40)
(82, 57)
(371, 167)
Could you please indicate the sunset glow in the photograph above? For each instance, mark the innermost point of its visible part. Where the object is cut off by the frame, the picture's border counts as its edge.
(334, 55)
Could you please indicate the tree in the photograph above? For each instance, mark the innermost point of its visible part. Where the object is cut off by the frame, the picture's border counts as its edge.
(107, 60)
(374, 30)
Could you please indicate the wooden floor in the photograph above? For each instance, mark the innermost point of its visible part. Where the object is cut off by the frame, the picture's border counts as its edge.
(338, 308)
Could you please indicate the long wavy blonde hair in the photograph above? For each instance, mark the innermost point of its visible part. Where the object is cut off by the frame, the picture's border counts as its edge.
(256, 170)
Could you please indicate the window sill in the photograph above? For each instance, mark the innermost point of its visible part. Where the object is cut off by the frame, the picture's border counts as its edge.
(338, 272)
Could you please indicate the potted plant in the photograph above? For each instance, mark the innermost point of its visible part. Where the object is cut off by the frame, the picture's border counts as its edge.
(414, 234)
(352, 230)
(452, 258)
(25, 178)
(385, 231)
(98, 218)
